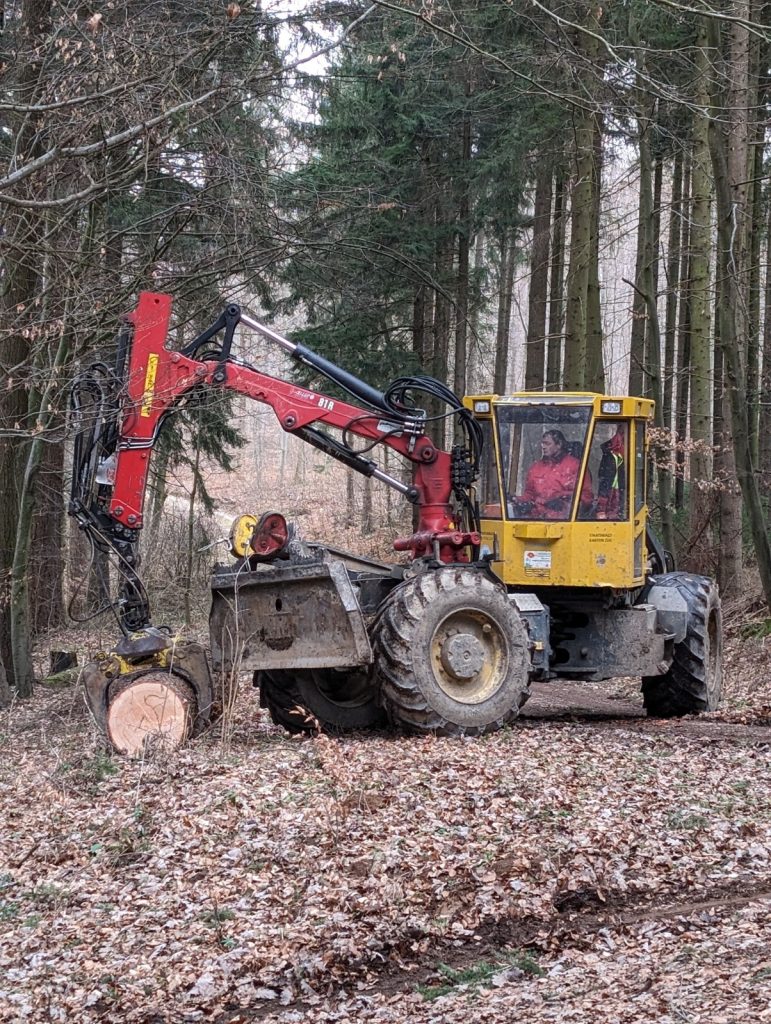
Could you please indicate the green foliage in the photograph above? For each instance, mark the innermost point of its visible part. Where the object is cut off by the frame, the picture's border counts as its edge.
(481, 973)
(756, 630)
(377, 208)
(87, 773)
(215, 917)
(203, 429)
(9, 909)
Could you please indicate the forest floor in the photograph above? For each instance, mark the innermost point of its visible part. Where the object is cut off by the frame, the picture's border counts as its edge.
(587, 864)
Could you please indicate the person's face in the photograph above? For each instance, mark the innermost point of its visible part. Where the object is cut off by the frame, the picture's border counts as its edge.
(549, 446)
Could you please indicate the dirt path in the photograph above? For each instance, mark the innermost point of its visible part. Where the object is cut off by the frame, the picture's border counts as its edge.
(606, 708)
(562, 699)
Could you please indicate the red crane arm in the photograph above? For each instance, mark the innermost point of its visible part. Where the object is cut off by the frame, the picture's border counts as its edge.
(158, 379)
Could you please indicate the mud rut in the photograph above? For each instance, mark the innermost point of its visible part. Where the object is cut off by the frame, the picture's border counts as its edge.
(579, 916)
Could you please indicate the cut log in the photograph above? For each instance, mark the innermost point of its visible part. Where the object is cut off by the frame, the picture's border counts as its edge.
(156, 710)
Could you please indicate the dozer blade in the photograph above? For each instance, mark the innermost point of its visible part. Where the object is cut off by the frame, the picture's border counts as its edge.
(288, 616)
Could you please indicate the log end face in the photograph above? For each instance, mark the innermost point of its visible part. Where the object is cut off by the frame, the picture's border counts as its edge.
(151, 712)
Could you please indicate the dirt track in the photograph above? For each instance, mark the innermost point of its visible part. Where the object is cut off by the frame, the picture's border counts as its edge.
(602, 705)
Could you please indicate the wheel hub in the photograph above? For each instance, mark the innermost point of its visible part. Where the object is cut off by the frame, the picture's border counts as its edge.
(469, 654)
(462, 656)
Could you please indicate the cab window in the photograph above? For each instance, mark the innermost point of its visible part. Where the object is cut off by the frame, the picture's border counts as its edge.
(489, 487)
(542, 446)
(639, 462)
(607, 471)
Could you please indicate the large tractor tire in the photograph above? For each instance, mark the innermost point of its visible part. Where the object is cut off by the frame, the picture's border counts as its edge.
(694, 681)
(340, 700)
(451, 654)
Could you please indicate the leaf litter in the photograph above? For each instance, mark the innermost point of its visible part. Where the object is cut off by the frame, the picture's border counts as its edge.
(556, 869)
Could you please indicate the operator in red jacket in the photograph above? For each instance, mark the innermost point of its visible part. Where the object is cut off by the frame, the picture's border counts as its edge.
(551, 482)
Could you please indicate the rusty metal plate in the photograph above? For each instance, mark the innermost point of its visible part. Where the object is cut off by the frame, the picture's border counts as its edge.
(287, 617)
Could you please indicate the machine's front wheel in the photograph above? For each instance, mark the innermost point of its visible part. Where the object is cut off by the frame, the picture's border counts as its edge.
(340, 700)
(694, 681)
(451, 654)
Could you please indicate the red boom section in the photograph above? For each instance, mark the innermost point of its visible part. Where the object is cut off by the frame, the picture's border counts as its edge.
(158, 379)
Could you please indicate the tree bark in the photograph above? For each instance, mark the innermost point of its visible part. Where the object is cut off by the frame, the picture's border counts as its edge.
(506, 287)
(595, 364)
(585, 120)
(703, 384)
(728, 149)
(47, 561)
(674, 249)
(22, 231)
(42, 412)
(642, 359)
(462, 274)
(683, 328)
(764, 454)
(580, 253)
(535, 350)
(556, 286)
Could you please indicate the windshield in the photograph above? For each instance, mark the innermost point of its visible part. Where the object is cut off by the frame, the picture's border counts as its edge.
(541, 451)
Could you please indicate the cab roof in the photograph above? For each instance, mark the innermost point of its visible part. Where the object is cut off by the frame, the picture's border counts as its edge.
(625, 406)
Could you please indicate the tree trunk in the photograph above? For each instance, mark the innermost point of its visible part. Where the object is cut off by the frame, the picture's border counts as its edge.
(5, 689)
(728, 148)
(642, 359)
(506, 286)
(581, 215)
(535, 349)
(595, 364)
(755, 206)
(22, 231)
(764, 454)
(703, 385)
(556, 286)
(585, 122)
(658, 177)
(683, 347)
(463, 233)
(440, 362)
(42, 413)
(367, 516)
(637, 344)
(190, 529)
(47, 561)
(674, 249)
(419, 334)
(477, 306)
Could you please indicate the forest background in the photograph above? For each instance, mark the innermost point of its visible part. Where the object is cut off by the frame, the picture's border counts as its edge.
(555, 195)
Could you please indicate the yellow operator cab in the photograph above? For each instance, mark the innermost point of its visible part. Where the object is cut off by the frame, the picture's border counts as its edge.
(562, 489)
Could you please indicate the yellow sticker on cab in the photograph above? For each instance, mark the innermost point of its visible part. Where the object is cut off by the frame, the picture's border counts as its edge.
(147, 397)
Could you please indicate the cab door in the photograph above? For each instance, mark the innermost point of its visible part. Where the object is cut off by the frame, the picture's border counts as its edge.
(639, 498)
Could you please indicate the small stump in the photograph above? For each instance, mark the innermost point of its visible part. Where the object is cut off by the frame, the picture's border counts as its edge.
(61, 661)
(154, 710)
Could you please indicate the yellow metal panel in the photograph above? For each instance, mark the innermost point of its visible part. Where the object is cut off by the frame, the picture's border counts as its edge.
(585, 554)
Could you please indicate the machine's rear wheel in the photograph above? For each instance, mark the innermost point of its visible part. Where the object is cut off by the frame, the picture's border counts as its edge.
(694, 681)
(341, 700)
(451, 654)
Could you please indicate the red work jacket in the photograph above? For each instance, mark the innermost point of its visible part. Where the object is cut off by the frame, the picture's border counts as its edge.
(550, 481)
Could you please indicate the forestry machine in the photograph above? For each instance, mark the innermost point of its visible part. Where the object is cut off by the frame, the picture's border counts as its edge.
(519, 568)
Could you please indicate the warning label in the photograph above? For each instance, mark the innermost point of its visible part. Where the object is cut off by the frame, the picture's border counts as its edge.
(538, 559)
